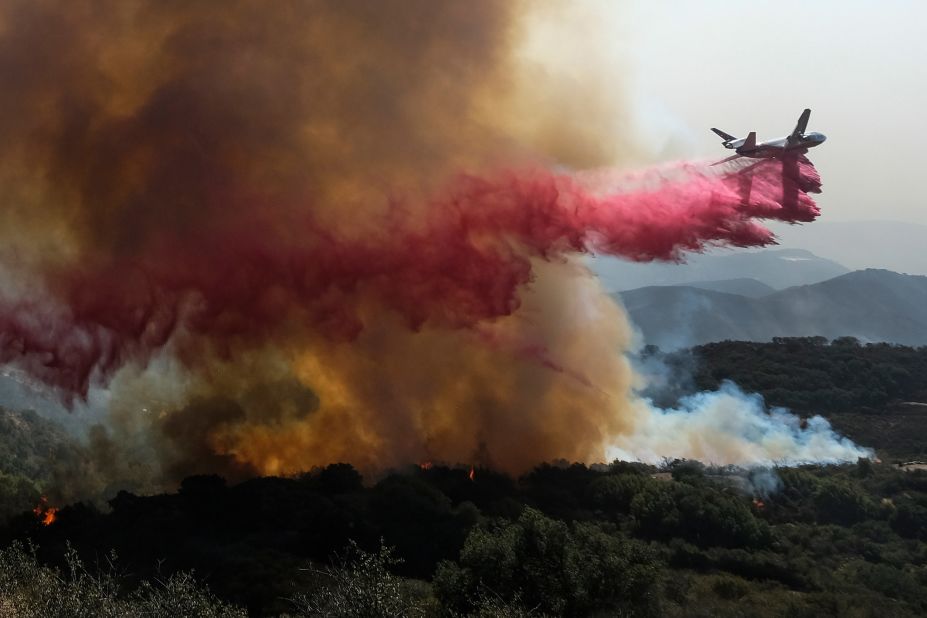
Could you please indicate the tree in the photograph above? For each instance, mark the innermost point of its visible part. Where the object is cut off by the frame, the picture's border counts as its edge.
(839, 502)
(544, 564)
(703, 515)
(615, 492)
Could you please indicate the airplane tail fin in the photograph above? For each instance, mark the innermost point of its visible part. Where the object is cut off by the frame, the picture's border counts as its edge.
(726, 137)
(749, 143)
(802, 124)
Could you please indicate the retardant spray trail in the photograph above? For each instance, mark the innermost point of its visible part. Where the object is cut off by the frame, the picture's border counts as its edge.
(464, 264)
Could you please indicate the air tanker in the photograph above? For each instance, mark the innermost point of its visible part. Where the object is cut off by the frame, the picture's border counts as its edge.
(798, 142)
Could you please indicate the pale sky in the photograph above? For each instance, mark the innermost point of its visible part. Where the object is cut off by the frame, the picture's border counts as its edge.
(740, 66)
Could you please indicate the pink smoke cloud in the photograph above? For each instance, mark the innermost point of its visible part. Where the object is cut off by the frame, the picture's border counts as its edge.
(241, 278)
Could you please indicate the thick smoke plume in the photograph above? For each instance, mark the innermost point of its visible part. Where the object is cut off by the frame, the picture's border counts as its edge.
(281, 235)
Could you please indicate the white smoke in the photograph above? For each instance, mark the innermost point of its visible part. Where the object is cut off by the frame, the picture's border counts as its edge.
(730, 427)
(763, 482)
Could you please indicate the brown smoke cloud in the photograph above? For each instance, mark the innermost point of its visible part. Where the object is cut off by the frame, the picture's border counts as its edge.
(125, 120)
(132, 124)
(271, 236)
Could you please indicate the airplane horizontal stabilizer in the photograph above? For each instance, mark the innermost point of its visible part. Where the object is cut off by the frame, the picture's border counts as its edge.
(725, 136)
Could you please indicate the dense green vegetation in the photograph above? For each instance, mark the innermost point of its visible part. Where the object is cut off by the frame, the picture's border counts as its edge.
(571, 540)
(808, 374)
(574, 541)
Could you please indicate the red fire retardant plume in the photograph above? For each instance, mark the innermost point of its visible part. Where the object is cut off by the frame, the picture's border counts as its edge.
(463, 263)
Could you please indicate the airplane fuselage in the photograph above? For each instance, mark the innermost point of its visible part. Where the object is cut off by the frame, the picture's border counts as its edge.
(776, 147)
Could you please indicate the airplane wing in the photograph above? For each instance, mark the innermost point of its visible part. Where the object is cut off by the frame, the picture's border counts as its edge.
(750, 143)
(802, 125)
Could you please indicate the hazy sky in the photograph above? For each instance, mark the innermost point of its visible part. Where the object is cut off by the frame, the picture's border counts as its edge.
(740, 66)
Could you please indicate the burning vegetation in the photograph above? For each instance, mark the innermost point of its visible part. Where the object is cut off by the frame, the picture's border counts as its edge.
(45, 513)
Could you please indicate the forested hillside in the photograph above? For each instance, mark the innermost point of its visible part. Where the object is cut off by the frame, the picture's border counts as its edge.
(872, 305)
(571, 540)
(874, 393)
(810, 374)
(625, 539)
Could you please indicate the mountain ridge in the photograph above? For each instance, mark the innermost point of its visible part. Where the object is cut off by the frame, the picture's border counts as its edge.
(871, 305)
(875, 243)
(775, 268)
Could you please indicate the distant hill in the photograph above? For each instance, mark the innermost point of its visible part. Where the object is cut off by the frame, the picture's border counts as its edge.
(895, 245)
(776, 268)
(744, 287)
(872, 305)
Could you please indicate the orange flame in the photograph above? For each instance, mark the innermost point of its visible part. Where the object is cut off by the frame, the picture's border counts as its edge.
(472, 474)
(425, 465)
(759, 504)
(46, 514)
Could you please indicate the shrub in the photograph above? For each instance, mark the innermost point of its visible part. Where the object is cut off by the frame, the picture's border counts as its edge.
(359, 585)
(31, 590)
